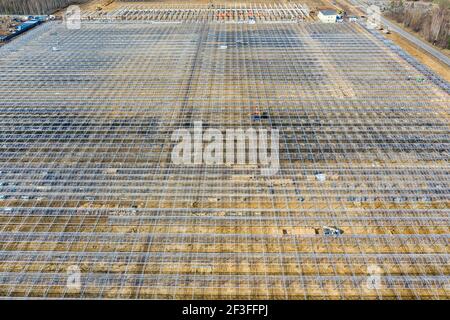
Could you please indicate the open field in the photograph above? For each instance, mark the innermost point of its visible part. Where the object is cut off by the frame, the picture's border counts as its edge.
(87, 178)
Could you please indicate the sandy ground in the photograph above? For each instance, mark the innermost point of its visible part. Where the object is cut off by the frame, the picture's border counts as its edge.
(241, 262)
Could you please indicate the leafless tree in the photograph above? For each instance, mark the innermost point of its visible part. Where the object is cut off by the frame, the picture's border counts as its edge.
(34, 6)
(431, 21)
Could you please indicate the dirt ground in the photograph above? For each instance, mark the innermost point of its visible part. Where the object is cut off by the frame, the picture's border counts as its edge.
(177, 249)
(438, 67)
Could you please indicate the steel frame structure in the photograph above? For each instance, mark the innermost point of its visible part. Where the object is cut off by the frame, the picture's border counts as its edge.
(87, 179)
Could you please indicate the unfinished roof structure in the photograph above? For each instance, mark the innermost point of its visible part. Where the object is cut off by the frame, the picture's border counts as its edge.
(200, 13)
(87, 182)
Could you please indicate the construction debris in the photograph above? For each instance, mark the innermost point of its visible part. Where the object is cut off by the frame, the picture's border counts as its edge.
(332, 231)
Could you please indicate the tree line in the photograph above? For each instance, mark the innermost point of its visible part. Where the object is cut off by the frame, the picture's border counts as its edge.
(431, 20)
(34, 6)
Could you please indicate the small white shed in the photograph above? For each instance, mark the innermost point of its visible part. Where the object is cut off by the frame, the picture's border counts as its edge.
(327, 16)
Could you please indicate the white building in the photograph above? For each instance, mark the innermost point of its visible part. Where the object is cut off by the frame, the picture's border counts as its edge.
(327, 16)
